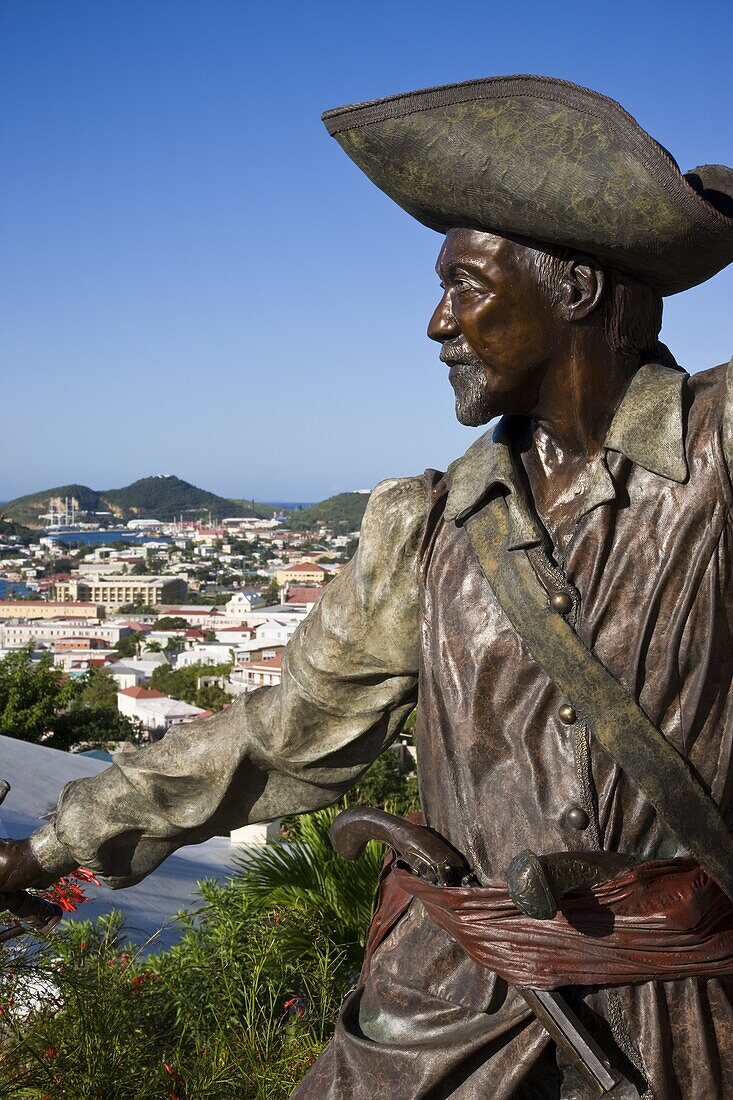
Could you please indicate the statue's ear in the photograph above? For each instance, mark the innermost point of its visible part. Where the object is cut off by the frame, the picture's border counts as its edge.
(584, 284)
(714, 183)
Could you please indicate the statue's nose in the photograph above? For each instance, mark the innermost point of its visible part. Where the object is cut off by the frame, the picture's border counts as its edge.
(442, 325)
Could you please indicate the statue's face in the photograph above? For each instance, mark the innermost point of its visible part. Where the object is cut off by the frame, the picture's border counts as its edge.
(498, 329)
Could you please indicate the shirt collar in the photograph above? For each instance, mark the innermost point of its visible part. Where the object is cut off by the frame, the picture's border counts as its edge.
(647, 427)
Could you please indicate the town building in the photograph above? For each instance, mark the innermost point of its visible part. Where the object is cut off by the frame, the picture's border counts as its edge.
(250, 675)
(155, 711)
(302, 572)
(296, 596)
(125, 676)
(114, 592)
(242, 603)
(51, 609)
(16, 634)
(208, 653)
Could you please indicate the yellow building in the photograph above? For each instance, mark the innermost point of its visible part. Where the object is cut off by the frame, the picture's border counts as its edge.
(46, 609)
(303, 572)
(119, 590)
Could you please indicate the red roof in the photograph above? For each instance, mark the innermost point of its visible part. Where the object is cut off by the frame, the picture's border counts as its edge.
(303, 567)
(183, 612)
(303, 595)
(142, 693)
(264, 666)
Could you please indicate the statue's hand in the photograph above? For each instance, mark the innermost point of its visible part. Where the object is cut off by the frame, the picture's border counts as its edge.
(18, 867)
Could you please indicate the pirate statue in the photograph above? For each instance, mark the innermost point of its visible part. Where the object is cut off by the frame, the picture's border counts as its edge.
(560, 604)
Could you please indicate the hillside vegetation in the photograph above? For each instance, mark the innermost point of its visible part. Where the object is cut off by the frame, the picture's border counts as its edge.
(167, 497)
(343, 512)
(163, 497)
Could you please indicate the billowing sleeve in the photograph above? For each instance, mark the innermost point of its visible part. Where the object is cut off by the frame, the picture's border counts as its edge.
(349, 681)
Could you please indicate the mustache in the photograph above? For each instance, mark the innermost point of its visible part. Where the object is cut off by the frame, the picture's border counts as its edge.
(458, 352)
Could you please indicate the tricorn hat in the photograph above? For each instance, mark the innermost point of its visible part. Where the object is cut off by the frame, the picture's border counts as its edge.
(545, 160)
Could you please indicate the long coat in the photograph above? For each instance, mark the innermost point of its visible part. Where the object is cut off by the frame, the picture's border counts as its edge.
(650, 559)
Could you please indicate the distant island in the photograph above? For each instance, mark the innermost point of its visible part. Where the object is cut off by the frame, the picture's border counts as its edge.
(168, 498)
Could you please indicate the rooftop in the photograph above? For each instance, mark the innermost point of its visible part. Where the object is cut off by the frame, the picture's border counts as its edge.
(141, 692)
(37, 775)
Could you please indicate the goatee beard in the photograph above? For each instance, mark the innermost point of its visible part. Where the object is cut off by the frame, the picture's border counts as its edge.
(472, 400)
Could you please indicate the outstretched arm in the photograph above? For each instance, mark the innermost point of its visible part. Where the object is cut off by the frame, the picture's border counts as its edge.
(349, 681)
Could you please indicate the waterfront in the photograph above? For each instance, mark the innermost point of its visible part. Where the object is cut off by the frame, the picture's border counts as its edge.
(106, 537)
(11, 590)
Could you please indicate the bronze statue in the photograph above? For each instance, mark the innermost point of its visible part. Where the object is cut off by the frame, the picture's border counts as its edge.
(559, 600)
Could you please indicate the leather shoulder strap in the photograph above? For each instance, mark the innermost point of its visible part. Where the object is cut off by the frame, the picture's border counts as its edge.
(618, 723)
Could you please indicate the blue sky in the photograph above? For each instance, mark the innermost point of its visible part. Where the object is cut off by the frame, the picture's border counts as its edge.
(196, 280)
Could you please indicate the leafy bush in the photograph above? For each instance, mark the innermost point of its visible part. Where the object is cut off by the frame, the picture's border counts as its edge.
(237, 1010)
(40, 703)
(183, 684)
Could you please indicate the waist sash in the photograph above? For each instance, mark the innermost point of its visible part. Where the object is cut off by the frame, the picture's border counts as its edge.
(659, 921)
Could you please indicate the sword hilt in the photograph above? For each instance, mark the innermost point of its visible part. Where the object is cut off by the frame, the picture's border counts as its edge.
(538, 883)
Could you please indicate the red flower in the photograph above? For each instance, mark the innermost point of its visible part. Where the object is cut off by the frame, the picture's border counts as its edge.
(67, 892)
(86, 875)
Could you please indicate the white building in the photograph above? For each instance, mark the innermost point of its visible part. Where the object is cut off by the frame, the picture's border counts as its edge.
(242, 603)
(254, 674)
(206, 653)
(79, 660)
(155, 710)
(144, 666)
(276, 631)
(15, 635)
(234, 635)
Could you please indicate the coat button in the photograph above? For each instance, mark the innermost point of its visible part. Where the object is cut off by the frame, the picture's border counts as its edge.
(577, 818)
(561, 602)
(566, 714)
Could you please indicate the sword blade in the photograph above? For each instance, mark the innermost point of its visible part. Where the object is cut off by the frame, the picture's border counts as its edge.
(574, 1039)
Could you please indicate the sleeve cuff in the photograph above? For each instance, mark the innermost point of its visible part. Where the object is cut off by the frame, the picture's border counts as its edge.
(48, 851)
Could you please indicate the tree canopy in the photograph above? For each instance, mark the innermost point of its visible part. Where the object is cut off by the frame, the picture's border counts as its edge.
(40, 703)
(32, 694)
(183, 684)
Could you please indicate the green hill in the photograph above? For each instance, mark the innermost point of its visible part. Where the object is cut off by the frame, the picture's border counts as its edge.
(164, 497)
(29, 509)
(167, 497)
(342, 513)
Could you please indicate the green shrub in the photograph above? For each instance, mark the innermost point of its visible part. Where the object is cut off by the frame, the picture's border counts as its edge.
(237, 1010)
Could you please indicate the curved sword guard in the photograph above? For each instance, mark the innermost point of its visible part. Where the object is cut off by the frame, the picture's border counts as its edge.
(537, 884)
(424, 851)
